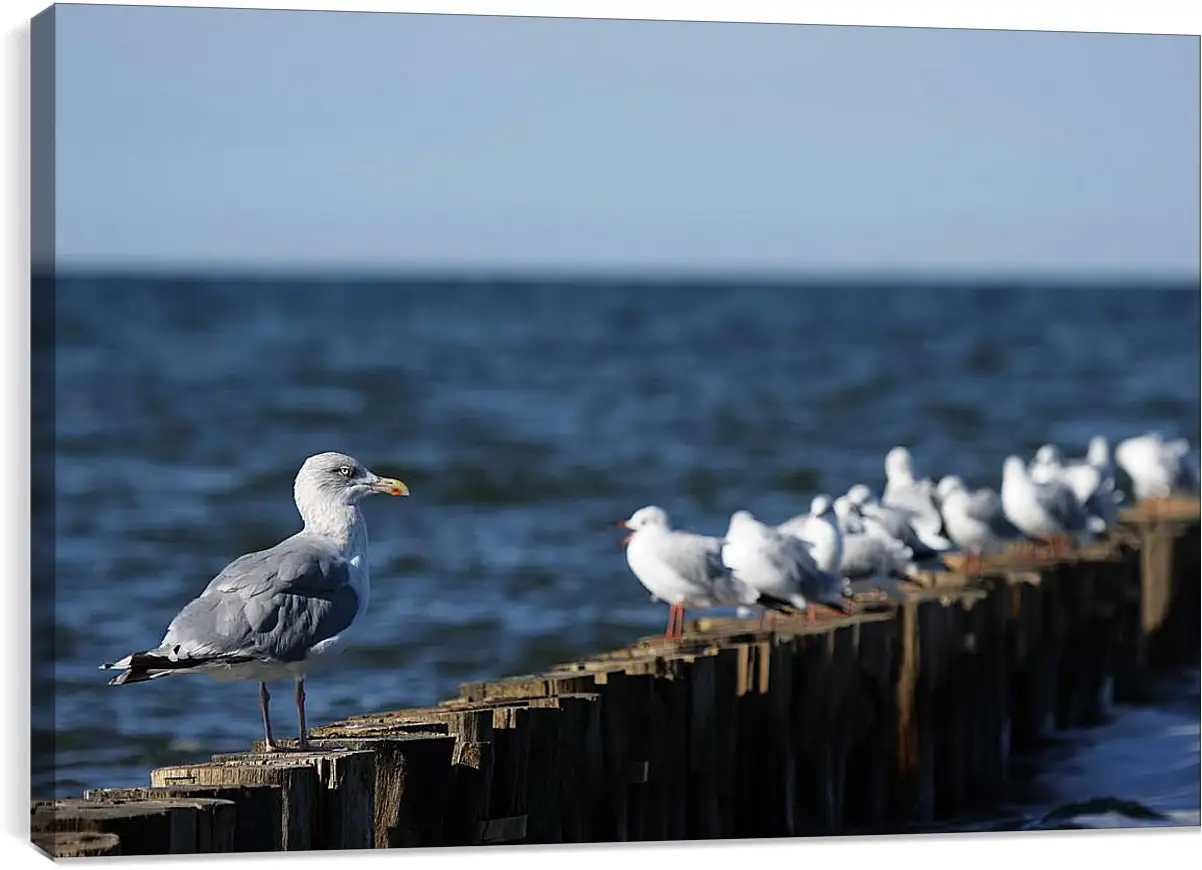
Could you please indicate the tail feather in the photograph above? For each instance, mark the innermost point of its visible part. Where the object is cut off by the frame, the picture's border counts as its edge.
(777, 604)
(152, 664)
(138, 677)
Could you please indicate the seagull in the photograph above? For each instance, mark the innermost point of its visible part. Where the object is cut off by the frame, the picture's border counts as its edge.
(1157, 468)
(912, 497)
(894, 524)
(868, 556)
(1045, 464)
(975, 521)
(1089, 479)
(848, 517)
(1092, 482)
(780, 566)
(274, 613)
(1046, 511)
(820, 529)
(683, 569)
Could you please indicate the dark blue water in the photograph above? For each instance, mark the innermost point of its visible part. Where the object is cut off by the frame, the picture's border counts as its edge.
(527, 419)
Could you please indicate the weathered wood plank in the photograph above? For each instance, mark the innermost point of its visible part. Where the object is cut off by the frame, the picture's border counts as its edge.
(159, 827)
(327, 800)
(76, 844)
(412, 780)
(256, 809)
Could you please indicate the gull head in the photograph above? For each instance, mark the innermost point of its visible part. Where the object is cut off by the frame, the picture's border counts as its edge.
(1049, 455)
(1013, 469)
(821, 505)
(1098, 454)
(898, 464)
(948, 485)
(338, 479)
(859, 495)
(741, 522)
(649, 517)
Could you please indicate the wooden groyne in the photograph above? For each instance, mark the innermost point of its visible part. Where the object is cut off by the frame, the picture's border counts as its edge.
(878, 721)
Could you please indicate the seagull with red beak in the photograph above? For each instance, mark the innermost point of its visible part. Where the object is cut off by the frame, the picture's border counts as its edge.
(682, 568)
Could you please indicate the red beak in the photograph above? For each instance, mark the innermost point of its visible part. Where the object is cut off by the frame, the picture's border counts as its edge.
(625, 525)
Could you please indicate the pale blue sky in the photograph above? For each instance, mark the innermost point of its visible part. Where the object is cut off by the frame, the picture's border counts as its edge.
(371, 140)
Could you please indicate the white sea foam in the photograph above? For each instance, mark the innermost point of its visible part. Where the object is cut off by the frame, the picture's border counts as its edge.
(1146, 755)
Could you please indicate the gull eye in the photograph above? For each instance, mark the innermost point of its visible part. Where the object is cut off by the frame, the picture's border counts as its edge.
(346, 471)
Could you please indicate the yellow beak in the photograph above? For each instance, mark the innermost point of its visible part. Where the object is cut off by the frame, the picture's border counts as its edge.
(391, 486)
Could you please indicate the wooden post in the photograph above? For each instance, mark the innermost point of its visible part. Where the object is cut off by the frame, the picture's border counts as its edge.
(256, 809)
(507, 807)
(613, 735)
(471, 781)
(907, 731)
(412, 782)
(76, 844)
(870, 720)
(706, 822)
(143, 827)
(326, 796)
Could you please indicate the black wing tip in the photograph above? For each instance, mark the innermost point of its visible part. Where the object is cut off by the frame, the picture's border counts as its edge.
(777, 604)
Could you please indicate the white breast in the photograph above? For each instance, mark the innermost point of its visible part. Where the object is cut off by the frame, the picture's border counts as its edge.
(827, 541)
(658, 577)
(360, 582)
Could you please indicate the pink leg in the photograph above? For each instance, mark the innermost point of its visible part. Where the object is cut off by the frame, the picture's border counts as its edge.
(676, 621)
(264, 701)
(668, 632)
(303, 740)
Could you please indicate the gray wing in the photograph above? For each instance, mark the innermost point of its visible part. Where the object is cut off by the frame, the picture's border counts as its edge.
(696, 559)
(791, 556)
(1061, 505)
(985, 506)
(890, 520)
(914, 501)
(862, 555)
(794, 558)
(868, 555)
(823, 586)
(276, 604)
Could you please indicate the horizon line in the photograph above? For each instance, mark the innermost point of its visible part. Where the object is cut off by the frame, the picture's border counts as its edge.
(612, 275)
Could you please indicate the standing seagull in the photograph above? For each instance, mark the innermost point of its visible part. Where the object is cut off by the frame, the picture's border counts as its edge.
(912, 497)
(1157, 468)
(820, 529)
(894, 524)
(682, 568)
(273, 614)
(1092, 481)
(780, 566)
(1045, 465)
(1047, 511)
(975, 521)
(868, 556)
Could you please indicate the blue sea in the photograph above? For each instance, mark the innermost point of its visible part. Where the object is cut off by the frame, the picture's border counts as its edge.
(528, 417)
